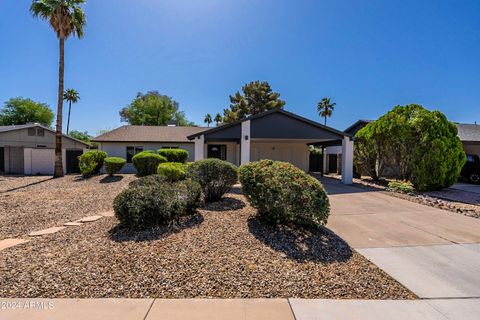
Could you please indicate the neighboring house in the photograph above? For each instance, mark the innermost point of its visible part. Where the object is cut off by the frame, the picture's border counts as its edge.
(275, 134)
(30, 149)
(469, 134)
(126, 141)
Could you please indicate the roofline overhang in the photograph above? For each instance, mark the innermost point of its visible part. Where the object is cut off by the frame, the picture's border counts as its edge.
(47, 128)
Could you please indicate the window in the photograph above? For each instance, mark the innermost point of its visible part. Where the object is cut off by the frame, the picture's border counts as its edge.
(31, 132)
(131, 151)
(41, 146)
(40, 132)
(218, 151)
(167, 147)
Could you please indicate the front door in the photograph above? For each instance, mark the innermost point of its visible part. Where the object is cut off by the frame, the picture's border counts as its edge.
(218, 151)
(72, 160)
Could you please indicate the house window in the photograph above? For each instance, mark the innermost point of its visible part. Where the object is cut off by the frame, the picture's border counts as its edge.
(40, 132)
(167, 147)
(31, 132)
(218, 151)
(41, 146)
(131, 151)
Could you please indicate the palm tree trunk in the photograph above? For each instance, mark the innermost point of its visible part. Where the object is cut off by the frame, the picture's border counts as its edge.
(68, 120)
(325, 120)
(58, 132)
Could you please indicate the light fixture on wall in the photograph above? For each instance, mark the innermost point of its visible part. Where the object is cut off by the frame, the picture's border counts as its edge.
(246, 137)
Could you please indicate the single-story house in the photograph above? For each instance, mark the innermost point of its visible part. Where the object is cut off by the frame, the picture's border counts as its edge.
(468, 133)
(30, 149)
(275, 134)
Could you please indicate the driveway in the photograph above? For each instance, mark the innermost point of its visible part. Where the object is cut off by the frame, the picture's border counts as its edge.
(434, 253)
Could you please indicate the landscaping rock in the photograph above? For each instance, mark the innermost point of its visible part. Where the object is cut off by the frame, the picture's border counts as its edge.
(90, 219)
(45, 231)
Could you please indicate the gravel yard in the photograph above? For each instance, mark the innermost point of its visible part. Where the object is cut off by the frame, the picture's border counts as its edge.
(223, 252)
(33, 203)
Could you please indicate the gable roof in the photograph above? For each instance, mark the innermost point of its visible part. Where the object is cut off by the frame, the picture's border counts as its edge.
(359, 123)
(31, 125)
(468, 132)
(129, 133)
(266, 113)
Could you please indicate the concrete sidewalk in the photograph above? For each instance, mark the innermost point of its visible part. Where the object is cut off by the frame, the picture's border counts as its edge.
(236, 309)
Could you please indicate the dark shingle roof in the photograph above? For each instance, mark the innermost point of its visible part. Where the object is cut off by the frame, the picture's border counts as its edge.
(149, 134)
(468, 132)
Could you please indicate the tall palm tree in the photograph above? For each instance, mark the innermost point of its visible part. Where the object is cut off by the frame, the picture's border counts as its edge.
(66, 18)
(70, 95)
(208, 119)
(218, 119)
(325, 108)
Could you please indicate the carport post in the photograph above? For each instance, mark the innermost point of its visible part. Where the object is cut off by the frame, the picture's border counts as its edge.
(347, 160)
(199, 147)
(245, 143)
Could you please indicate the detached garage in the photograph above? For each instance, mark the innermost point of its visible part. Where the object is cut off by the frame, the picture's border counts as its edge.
(30, 149)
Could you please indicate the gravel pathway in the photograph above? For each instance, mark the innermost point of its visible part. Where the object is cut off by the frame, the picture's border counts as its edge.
(34, 203)
(223, 252)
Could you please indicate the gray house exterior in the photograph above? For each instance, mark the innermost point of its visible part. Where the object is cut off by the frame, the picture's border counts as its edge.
(30, 149)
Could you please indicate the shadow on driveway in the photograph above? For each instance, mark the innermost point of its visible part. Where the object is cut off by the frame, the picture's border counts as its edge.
(301, 243)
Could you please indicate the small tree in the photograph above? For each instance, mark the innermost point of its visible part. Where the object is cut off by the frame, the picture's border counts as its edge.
(208, 119)
(325, 108)
(218, 119)
(71, 96)
(22, 111)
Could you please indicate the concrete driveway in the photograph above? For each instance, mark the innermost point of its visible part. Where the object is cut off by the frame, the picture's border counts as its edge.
(434, 253)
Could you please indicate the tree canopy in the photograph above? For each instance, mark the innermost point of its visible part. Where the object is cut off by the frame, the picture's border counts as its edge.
(256, 97)
(79, 135)
(415, 144)
(153, 109)
(325, 108)
(21, 111)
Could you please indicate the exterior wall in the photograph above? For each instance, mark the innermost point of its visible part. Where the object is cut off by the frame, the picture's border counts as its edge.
(472, 148)
(20, 138)
(119, 149)
(293, 152)
(232, 151)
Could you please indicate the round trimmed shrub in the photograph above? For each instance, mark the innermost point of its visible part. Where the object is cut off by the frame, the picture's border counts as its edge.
(174, 155)
(146, 162)
(172, 171)
(147, 181)
(113, 165)
(91, 162)
(144, 206)
(283, 193)
(214, 175)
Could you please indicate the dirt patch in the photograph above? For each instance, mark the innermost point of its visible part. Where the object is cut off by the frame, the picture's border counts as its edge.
(34, 203)
(223, 252)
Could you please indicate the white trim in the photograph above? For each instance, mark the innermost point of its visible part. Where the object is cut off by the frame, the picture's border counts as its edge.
(200, 147)
(347, 161)
(245, 143)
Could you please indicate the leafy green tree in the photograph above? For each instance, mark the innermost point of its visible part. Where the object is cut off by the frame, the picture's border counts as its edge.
(66, 18)
(208, 119)
(79, 135)
(256, 97)
(22, 111)
(218, 119)
(71, 96)
(325, 108)
(153, 109)
(416, 144)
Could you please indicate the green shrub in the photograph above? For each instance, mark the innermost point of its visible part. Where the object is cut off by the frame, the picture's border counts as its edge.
(148, 181)
(401, 186)
(174, 155)
(144, 206)
(114, 165)
(146, 162)
(215, 176)
(283, 193)
(414, 144)
(91, 162)
(172, 171)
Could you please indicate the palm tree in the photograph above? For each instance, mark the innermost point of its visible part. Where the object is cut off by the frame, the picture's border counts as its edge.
(218, 119)
(66, 18)
(71, 96)
(208, 119)
(325, 108)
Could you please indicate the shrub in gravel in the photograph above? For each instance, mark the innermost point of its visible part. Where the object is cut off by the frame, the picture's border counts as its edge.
(401, 186)
(172, 171)
(214, 175)
(146, 206)
(284, 194)
(174, 155)
(146, 162)
(91, 162)
(114, 165)
(147, 181)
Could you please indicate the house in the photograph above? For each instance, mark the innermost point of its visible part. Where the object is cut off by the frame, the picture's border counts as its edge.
(275, 134)
(128, 140)
(469, 134)
(30, 149)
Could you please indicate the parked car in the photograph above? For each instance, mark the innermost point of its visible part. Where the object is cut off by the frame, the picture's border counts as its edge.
(471, 169)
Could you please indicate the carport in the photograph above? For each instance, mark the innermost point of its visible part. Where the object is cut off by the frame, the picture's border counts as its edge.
(275, 134)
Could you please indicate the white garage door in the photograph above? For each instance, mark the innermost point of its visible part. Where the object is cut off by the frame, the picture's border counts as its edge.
(295, 153)
(43, 161)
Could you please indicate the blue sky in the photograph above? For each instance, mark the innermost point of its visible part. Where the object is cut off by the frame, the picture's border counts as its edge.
(366, 55)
